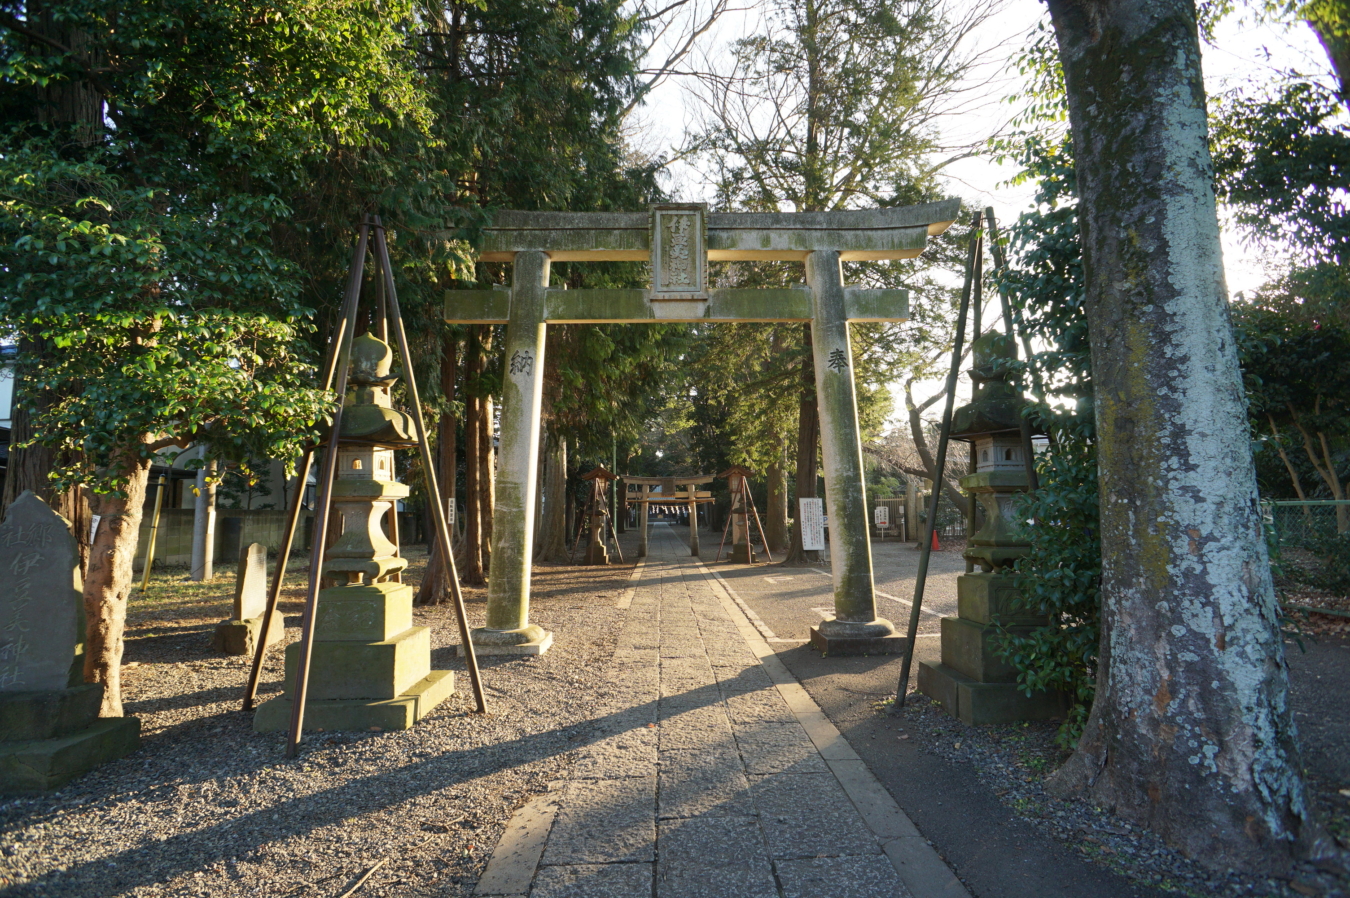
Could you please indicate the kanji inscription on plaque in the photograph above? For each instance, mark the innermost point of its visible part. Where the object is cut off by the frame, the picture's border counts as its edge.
(679, 252)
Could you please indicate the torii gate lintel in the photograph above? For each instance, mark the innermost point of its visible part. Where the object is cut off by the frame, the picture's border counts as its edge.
(679, 240)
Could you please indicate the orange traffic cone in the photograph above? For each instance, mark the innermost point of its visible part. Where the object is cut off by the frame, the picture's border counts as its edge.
(936, 547)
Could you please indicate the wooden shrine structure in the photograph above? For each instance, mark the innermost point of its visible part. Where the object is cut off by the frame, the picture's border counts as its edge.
(678, 241)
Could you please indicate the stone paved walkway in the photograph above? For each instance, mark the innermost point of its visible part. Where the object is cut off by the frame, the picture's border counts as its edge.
(713, 774)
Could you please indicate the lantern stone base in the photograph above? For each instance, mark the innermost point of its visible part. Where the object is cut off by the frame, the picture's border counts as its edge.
(596, 554)
(974, 682)
(240, 637)
(976, 703)
(742, 554)
(49, 738)
(398, 713)
(369, 667)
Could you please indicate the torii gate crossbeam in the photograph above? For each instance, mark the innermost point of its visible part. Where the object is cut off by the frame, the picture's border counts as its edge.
(679, 241)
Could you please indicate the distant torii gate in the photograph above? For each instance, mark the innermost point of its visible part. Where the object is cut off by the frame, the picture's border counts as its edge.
(679, 241)
(670, 495)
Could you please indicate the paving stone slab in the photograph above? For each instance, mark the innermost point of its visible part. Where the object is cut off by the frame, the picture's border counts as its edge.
(593, 881)
(604, 822)
(809, 816)
(840, 877)
(703, 784)
(783, 755)
(751, 680)
(627, 754)
(695, 729)
(762, 708)
(713, 857)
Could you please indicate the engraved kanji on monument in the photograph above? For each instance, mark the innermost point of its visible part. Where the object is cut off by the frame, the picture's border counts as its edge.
(679, 252)
(41, 606)
(50, 731)
(239, 635)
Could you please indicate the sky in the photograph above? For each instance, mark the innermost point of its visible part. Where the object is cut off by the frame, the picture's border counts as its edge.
(1242, 54)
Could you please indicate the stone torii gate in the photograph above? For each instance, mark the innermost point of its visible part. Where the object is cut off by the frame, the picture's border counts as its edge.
(679, 240)
(670, 495)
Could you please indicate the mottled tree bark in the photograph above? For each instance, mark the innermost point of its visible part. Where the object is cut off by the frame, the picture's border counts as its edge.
(552, 542)
(808, 438)
(435, 585)
(1191, 732)
(776, 512)
(477, 418)
(108, 582)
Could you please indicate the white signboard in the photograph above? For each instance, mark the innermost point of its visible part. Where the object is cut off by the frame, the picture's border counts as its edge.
(812, 523)
(882, 515)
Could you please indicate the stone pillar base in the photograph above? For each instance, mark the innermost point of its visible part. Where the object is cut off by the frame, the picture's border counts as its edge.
(534, 647)
(596, 555)
(829, 644)
(531, 639)
(398, 713)
(240, 637)
(976, 703)
(741, 555)
(49, 738)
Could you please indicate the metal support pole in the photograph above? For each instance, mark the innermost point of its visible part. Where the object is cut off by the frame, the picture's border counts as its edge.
(429, 467)
(1001, 265)
(325, 498)
(154, 532)
(926, 552)
(274, 594)
(345, 315)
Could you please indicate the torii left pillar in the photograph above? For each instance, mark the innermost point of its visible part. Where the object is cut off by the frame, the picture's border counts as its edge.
(508, 630)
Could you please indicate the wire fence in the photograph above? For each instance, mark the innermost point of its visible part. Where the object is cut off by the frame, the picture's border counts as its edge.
(1310, 540)
(1307, 525)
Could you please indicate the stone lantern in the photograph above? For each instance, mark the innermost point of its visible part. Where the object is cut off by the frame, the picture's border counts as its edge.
(371, 667)
(973, 682)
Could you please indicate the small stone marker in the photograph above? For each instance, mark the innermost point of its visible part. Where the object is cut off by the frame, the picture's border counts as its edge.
(50, 731)
(239, 635)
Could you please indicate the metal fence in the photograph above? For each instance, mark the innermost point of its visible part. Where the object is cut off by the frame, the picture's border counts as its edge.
(1307, 525)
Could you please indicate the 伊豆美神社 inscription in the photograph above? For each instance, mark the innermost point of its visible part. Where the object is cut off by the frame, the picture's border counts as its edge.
(678, 241)
(41, 607)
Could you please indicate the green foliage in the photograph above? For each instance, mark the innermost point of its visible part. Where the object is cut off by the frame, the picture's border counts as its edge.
(159, 325)
(1282, 164)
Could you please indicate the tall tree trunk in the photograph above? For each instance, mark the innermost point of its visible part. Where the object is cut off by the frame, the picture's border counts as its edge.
(552, 542)
(776, 514)
(1190, 733)
(108, 582)
(435, 584)
(808, 437)
(478, 466)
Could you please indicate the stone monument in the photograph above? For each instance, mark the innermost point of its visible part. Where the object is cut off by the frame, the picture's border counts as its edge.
(50, 731)
(239, 634)
(371, 667)
(973, 681)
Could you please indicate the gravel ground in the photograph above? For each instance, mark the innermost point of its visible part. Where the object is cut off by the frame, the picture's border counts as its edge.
(208, 807)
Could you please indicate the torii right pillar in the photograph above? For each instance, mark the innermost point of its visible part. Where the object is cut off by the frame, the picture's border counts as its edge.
(855, 628)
